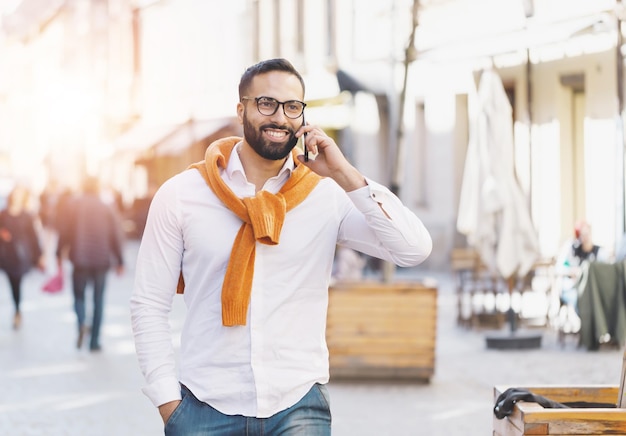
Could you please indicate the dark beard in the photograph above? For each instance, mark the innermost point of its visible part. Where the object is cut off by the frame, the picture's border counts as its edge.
(266, 149)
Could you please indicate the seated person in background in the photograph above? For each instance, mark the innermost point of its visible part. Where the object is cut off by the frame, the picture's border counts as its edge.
(571, 259)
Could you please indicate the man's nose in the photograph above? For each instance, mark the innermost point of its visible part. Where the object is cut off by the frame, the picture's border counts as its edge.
(279, 115)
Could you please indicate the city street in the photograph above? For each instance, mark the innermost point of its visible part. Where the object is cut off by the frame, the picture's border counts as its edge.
(48, 387)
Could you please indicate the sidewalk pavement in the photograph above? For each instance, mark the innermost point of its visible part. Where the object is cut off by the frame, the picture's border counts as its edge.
(48, 387)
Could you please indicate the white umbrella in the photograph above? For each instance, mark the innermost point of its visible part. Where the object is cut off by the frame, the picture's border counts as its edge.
(493, 212)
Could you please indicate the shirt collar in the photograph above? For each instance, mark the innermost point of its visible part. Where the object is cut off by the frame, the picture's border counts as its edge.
(235, 170)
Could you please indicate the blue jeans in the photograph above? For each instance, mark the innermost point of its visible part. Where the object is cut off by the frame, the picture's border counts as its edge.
(310, 416)
(80, 278)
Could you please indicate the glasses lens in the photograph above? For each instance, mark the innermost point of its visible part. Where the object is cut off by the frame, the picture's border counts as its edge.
(267, 105)
(293, 108)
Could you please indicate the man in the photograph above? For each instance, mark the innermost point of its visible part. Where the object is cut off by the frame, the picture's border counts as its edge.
(90, 235)
(573, 256)
(248, 235)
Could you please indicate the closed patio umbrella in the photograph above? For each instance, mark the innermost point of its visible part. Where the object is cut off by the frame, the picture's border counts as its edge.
(493, 212)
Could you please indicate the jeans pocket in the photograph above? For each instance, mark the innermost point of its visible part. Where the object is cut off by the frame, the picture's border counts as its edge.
(171, 421)
(323, 394)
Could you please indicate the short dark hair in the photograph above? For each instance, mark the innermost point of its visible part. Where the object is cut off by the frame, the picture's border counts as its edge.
(263, 67)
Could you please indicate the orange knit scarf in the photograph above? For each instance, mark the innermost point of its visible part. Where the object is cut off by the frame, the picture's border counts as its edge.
(262, 215)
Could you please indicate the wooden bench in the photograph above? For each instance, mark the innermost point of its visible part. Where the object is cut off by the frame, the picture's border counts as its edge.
(378, 330)
(532, 419)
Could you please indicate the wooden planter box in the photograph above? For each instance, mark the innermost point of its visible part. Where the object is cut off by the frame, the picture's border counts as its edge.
(378, 330)
(532, 419)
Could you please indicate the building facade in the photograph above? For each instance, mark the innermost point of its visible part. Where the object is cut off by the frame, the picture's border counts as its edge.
(133, 89)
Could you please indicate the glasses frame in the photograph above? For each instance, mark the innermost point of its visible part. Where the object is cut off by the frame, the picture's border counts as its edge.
(280, 103)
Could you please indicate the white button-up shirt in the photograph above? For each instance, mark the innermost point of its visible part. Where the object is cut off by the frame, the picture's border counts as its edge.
(270, 363)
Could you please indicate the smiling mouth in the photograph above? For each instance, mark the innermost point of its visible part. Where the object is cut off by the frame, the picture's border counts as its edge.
(277, 135)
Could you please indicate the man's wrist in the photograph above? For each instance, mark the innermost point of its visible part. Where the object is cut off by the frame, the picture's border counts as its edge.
(350, 180)
(167, 409)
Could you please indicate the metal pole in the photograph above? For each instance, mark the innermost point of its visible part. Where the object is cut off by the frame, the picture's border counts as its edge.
(397, 173)
(398, 164)
(620, 119)
(529, 12)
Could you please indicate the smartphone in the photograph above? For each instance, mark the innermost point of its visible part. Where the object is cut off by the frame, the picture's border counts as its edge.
(306, 151)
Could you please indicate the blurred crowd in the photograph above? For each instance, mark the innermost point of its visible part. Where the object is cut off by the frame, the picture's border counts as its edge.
(72, 236)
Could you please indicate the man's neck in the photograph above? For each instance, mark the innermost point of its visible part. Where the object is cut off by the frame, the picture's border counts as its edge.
(258, 170)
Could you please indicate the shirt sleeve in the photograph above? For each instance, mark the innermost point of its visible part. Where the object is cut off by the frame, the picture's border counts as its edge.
(380, 225)
(156, 277)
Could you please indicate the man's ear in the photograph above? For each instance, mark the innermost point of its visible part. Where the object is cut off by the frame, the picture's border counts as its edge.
(240, 110)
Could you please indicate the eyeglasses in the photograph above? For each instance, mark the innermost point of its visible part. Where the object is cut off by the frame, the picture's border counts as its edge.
(268, 106)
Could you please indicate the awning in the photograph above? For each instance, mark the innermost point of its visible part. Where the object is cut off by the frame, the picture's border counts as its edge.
(171, 139)
(534, 35)
(142, 136)
(349, 83)
(187, 134)
(375, 80)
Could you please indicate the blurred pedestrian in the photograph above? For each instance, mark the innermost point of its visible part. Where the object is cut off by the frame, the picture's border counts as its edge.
(20, 248)
(91, 237)
(48, 201)
(253, 351)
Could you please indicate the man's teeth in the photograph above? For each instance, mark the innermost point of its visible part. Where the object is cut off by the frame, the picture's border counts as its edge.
(275, 134)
